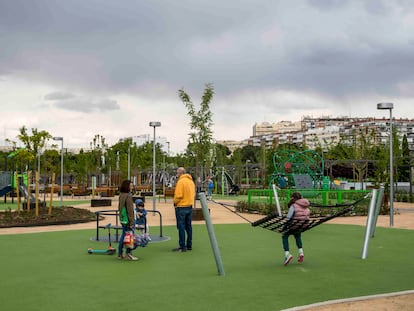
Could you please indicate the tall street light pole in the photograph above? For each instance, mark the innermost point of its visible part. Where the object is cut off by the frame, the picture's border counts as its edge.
(247, 173)
(154, 124)
(61, 168)
(129, 161)
(390, 106)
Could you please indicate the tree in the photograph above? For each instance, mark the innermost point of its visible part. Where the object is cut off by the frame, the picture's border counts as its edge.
(405, 163)
(222, 154)
(33, 144)
(99, 147)
(251, 153)
(201, 135)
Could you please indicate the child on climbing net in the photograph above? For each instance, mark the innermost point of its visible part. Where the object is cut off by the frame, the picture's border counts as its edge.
(298, 211)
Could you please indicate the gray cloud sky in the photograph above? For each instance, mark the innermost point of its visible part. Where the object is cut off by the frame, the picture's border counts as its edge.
(268, 60)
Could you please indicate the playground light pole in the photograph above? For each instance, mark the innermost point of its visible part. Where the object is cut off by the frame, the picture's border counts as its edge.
(61, 168)
(154, 124)
(247, 173)
(129, 161)
(390, 106)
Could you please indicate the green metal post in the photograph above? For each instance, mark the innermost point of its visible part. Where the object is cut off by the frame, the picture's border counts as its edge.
(211, 233)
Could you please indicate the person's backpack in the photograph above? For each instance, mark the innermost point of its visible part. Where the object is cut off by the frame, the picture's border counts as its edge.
(123, 217)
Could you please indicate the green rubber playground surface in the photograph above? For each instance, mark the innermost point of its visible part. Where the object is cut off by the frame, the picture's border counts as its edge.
(53, 271)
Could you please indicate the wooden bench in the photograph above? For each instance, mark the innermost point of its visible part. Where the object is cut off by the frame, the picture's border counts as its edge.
(198, 214)
(80, 192)
(168, 193)
(101, 202)
(106, 191)
(146, 193)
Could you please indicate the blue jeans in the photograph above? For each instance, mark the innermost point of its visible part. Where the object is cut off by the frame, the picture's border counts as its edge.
(121, 241)
(285, 240)
(184, 217)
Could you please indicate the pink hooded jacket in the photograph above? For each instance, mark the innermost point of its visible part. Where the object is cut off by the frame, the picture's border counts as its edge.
(302, 211)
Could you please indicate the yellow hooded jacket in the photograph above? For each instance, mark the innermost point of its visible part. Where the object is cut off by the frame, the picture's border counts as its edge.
(184, 193)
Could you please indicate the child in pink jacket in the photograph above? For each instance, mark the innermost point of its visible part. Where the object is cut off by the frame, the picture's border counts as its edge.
(298, 211)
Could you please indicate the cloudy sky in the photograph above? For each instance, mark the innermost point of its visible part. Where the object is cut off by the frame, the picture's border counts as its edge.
(83, 67)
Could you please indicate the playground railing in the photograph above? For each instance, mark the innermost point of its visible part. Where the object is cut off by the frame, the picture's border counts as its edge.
(117, 225)
(324, 197)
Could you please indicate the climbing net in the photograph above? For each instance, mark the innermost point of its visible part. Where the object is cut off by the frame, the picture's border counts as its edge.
(285, 225)
(288, 163)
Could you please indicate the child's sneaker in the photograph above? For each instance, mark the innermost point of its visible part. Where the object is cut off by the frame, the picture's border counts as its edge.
(288, 259)
(131, 257)
(301, 257)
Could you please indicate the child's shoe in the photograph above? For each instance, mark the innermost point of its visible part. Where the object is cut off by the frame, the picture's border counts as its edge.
(301, 257)
(288, 259)
(131, 257)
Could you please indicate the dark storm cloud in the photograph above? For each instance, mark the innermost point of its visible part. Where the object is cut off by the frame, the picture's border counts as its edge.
(334, 47)
(87, 105)
(327, 4)
(59, 96)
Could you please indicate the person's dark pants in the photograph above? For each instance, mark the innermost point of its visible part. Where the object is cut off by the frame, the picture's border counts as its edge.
(184, 217)
(285, 240)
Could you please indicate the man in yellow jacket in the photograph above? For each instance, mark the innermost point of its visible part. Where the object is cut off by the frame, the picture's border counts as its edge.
(184, 196)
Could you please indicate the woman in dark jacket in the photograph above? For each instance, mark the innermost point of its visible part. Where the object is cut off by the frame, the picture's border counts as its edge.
(125, 200)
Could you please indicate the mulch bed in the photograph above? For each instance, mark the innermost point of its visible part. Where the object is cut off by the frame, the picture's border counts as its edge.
(62, 215)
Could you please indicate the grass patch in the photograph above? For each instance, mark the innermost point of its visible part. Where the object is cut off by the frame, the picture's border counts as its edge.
(45, 271)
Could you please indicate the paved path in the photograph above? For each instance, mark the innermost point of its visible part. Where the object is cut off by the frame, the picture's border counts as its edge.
(404, 217)
(219, 215)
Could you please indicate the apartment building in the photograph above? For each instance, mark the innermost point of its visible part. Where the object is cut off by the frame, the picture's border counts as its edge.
(324, 132)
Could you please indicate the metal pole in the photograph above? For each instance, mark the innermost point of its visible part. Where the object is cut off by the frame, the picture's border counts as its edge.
(247, 173)
(154, 124)
(380, 196)
(390, 106)
(129, 162)
(38, 169)
(211, 233)
(153, 173)
(370, 218)
(61, 176)
(391, 176)
(279, 210)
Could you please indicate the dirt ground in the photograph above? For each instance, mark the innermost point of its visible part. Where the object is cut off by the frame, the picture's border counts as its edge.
(404, 218)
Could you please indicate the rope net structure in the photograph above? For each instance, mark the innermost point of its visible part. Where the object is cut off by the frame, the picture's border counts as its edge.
(285, 225)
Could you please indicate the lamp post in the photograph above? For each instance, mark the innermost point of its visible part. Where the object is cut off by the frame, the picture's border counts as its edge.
(247, 173)
(129, 161)
(390, 106)
(61, 168)
(154, 124)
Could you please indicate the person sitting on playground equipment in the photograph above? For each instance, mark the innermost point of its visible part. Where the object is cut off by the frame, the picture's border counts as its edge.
(141, 216)
(298, 211)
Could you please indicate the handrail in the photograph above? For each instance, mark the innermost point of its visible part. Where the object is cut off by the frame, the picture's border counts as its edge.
(109, 213)
(117, 226)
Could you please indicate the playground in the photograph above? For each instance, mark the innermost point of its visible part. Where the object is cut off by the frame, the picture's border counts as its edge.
(255, 276)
